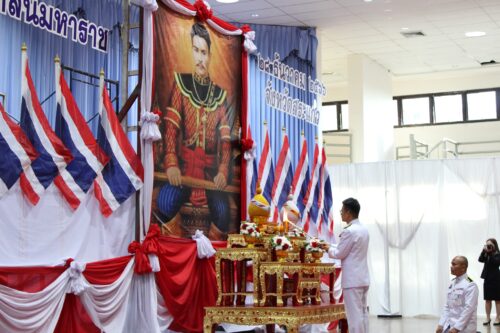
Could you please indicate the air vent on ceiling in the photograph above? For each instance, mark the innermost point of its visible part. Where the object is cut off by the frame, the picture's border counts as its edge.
(412, 34)
(489, 63)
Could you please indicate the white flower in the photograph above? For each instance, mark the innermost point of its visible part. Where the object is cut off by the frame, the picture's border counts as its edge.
(280, 243)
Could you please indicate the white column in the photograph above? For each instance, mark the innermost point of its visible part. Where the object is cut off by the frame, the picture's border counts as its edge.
(370, 110)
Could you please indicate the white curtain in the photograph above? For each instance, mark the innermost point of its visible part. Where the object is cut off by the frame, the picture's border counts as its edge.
(51, 232)
(420, 214)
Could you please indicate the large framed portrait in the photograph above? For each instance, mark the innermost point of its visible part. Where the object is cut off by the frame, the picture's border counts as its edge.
(197, 88)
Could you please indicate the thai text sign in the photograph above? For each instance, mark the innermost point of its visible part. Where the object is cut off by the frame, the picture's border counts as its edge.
(56, 21)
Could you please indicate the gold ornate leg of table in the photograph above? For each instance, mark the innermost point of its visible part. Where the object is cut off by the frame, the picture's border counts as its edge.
(219, 279)
(279, 289)
(262, 278)
(208, 326)
(256, 281)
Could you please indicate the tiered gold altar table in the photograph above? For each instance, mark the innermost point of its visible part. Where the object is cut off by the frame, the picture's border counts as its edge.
(291, 317)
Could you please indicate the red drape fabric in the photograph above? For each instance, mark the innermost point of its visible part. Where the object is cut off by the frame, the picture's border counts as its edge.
(29, 279)
(74, 318)
(187, 284)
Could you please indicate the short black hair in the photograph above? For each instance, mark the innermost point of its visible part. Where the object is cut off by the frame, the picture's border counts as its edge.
(201, 31)
(352, 206)
(464, 260)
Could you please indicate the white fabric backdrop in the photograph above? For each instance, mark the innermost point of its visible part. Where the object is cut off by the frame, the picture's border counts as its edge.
(50, 232)
(420, 214)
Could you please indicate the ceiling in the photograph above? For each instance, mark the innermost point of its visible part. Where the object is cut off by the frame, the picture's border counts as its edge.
(374, 29)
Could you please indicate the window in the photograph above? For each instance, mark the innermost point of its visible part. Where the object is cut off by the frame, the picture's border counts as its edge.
(344, 111)
(416, 111)
(328, 119)
(334, 116)
(448, 108)
(482, 105)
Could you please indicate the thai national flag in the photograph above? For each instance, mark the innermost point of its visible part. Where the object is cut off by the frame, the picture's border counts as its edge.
(311, 210)
(266, 169)
(283, 177)
(251, 181)
(321, 192)
(328, 199)
(301, 177)
(16, 152)
(89, 159)
(54, 156)
(124, 174)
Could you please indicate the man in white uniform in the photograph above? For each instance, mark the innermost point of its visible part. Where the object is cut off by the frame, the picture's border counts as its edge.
(352, 250)
(460, 310)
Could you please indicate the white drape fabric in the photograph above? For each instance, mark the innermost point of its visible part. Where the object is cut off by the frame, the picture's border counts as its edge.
(204, 247)
(51, 232)
(77, 283)
(420, 214)
(107, 304)
(164, 317)
(33, 312)
(129, 304)
(149, 126)
(142, 315)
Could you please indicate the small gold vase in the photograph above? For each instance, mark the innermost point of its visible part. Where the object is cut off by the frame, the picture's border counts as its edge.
(281, 255)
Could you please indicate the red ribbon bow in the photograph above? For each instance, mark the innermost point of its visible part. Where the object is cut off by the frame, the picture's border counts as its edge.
(150, 244)
(142, 265)
(246, 144)
(245, 28)
(203, 13)
(68, 262)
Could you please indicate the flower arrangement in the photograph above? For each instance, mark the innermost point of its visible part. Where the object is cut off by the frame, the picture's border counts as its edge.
(281, 243)
(297, 233)
(314, 245)
(249, 229)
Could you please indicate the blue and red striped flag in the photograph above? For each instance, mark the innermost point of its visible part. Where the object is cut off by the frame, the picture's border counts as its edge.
(124, 174)
(251, 174)
(89, 159)
(321, 192)
(283, 177)
(16, 152)
(310, 200)
(266, 168)
(301, 177)
(54, 156)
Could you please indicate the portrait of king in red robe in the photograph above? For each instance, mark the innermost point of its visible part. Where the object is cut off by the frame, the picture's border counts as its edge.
(196, 162)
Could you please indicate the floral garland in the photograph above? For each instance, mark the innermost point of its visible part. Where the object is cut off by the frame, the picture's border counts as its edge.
(281, 243)
(249, 229)
(297, 233)
(314, 245)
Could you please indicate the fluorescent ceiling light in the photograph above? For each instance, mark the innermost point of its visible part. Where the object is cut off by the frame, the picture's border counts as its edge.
(368, 0)
(255, 15)
(405, 28)
(475, 33)
(228, 1)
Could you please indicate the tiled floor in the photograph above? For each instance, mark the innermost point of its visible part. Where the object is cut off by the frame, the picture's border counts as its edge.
(407, 325)
(417, 325)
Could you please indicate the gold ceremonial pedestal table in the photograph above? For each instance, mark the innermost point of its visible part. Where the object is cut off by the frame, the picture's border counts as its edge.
(225, 279)
(307, 276)
(291, 317)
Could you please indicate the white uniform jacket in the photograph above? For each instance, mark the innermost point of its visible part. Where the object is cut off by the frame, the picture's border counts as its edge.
(352, 250)
(460, 311)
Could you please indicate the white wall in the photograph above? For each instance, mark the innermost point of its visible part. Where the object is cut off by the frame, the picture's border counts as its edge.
(483, 78)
